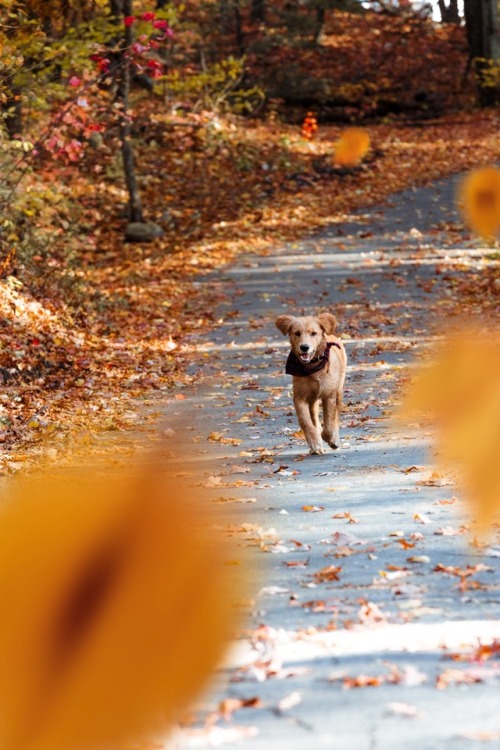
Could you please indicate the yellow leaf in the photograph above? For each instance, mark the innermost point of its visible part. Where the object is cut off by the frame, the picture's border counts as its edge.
(460, 391)
(116, 610)
(351, 147)
(479, 199)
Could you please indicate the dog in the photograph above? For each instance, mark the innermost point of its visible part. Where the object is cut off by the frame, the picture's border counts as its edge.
(318, 362)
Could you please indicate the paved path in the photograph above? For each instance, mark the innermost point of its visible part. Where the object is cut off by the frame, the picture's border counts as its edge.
(347, 638)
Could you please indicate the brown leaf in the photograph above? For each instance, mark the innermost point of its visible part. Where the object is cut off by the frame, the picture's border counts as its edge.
(362, 681)
(329, 573)
(228, 706)
(453, 676)
(350, 519)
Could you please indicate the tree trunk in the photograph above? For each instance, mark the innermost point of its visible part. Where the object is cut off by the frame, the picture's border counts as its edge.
(13, 117)
(116, 7)
(258, 11)
(449, 12)
(481, 17)
(320, 22)
(12, 105)
(225, 14)
(238, 28)
(135, 204)
(161, 4)
(119, 9)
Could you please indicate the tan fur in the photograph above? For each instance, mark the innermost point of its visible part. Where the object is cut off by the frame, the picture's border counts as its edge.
(325, 386)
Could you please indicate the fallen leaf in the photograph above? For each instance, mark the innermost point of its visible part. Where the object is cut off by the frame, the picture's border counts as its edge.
(449, 531)
(362, 681)
(290, 701)
(403, 709)
(350, 519)
(453, 676)
(329, 573)
(313, 508)
(228, 706)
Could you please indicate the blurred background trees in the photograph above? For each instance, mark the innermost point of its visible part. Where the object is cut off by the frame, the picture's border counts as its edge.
(95, 80)
(301, 51)
(204, 127)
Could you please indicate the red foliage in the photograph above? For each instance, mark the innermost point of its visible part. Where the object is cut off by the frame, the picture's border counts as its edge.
(309, 126)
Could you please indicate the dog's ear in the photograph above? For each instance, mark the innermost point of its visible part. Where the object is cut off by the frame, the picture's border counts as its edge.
(284, 323)
(328, 322)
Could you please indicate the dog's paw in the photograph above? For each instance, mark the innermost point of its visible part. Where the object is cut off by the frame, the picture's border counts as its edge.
(332, 440)
(316, 450)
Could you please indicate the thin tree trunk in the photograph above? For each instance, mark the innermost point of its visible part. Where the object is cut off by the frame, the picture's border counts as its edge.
(14, 112)
(116, 7)
(224, 7)
(120, 9)
(449, 12)
(258, 11)
(12, 106)
(240, 43)
(482, 31)
(320, 22)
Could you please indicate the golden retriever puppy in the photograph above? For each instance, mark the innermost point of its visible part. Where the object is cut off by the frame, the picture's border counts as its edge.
(317, 362)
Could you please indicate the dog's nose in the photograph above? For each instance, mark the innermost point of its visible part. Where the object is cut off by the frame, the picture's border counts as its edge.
(304, 347)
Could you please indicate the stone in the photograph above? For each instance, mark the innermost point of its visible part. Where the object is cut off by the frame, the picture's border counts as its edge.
(142, 231)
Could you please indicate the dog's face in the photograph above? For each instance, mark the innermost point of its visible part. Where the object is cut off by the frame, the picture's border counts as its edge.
(307, 334)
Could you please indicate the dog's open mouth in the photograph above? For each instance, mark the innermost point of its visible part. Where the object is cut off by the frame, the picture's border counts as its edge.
(305, 357)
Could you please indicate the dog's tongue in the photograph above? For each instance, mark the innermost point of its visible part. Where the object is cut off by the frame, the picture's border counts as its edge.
(305, 357)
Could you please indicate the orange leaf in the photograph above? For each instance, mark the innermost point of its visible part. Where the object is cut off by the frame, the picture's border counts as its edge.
(479, 198)
(351, 147)
(362, 681)
(110, 588)
(329, 573)
(313, 508)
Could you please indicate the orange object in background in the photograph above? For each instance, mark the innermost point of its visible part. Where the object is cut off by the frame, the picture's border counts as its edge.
(460, 391)
(352, 146)
(309, 126)
(116, 607)
(479, 201)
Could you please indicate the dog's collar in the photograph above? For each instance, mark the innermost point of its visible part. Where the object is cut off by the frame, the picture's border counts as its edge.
(294, 366)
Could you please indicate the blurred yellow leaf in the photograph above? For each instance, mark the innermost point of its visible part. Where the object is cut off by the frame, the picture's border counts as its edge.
(479, 199)
(351, 147)
(460, 391)
(116, 607)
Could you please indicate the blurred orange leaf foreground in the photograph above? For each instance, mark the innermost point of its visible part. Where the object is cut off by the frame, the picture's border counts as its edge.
(479, 200)
(351, 147)
(461, 391)
(116, 607)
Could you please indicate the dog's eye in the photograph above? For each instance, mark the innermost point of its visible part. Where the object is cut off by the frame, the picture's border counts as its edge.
(314, 333)
(297, 333)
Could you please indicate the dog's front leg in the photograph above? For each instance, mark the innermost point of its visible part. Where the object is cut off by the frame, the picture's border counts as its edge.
(311, 432)
(331, 408)
(314, 410)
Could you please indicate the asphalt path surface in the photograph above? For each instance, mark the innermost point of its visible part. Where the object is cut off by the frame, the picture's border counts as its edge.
(364, 628)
